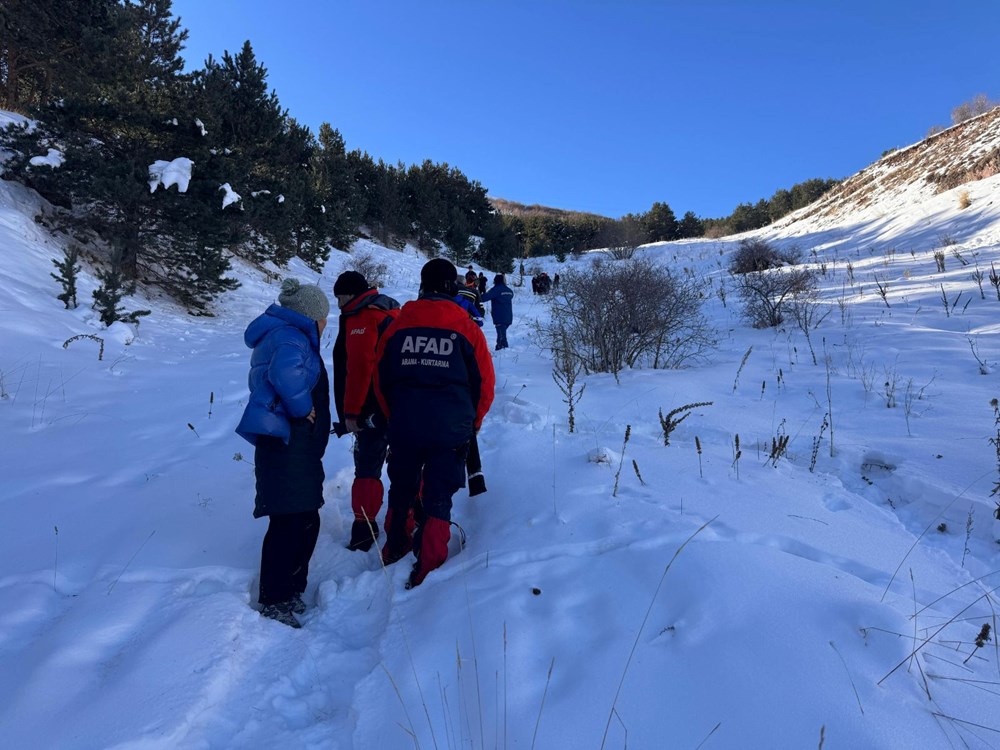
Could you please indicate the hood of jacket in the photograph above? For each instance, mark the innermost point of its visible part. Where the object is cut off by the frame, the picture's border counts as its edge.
(275, 317)
(371, 298)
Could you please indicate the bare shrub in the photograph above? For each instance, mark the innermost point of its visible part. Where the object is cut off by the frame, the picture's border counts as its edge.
(977, 105)
(621, 252)
(622, 239)
(995, 279)
(978, 277)
(758, 255)
(808, 314)
(964, 201)
(669, 423)
(629, 314)
(565, 371)
(882, 286)
(717, 231)
(765, 284)
(375, 272)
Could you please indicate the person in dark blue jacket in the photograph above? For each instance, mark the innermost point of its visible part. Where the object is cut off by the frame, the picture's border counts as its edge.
(287, 420)
(501, 299)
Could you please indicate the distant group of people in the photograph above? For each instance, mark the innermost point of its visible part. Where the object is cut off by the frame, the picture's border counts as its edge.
(411, 384)
(542, 284)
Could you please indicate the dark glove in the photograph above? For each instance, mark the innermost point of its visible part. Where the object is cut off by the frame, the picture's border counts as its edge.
(477, 484)
(340, 429)
(474, 468)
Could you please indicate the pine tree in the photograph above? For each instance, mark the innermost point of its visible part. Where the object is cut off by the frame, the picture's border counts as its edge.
(111, 125)
(804, 193)
(498, 249)
(386, 213)
(780, 204)
(272, 161)
(340, 195)
(112, 289)
(248, 127)
(68, 269)
(748, 216)
(456, 237)
(426, 203)
(659, 223)
(690, 226)
(129, 108)
(48, 47)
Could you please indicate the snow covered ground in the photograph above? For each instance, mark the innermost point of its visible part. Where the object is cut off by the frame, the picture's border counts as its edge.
(821, 600)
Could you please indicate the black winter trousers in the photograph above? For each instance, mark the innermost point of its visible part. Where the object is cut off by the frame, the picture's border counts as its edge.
(284, 559)
(370, 448)
(501, 336)
(432, 471)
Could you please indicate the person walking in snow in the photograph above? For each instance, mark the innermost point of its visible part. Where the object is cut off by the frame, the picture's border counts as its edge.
(501, 298)
(287, 420)
(482, 284)
(364, 314)
(468, 299)
(544, 283)
(435, 381)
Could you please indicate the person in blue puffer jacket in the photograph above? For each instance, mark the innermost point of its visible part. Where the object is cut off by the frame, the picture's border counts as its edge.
(287, 420)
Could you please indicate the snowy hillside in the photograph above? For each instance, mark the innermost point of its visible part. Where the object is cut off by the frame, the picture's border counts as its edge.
(956, 157)
(831, 596)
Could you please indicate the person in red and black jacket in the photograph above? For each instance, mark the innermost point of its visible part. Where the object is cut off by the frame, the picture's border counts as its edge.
(435, 383)
(364, 315)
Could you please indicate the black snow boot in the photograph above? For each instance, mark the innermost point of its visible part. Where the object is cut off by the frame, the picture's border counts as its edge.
(363, 535)
(281, 613)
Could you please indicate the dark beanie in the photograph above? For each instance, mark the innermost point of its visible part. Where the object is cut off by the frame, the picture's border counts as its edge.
(438, 275)
(350, 282)
(499, 279)
(305, 299)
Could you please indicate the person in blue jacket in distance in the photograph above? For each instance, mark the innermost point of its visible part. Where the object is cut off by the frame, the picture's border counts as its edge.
(501, 299)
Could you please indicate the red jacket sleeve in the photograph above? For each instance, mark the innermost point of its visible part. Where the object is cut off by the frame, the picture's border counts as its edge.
(360, 343)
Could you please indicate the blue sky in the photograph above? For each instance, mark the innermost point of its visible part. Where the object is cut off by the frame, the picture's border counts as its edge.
(610, 106)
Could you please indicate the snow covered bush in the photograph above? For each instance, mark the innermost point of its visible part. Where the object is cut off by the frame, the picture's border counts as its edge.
(765, 283)
(629, 314)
